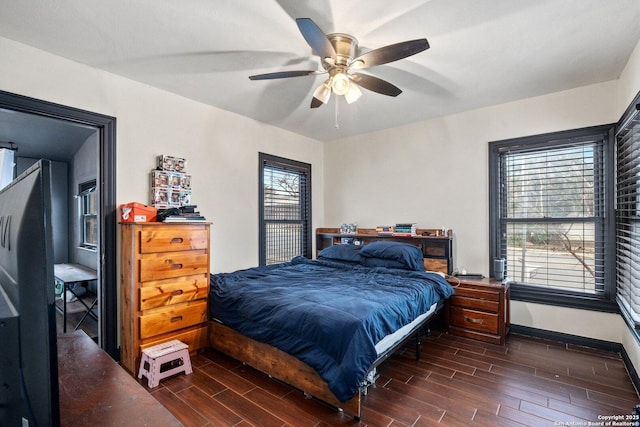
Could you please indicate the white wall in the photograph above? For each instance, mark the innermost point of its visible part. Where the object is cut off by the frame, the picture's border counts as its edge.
(221, 148)
(435, 172)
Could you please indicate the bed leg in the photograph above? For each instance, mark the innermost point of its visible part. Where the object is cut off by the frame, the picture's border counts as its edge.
(417, 347)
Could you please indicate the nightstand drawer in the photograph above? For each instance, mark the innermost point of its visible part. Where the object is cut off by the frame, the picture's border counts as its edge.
(476, 293)
(166, 266)
(173, 239)
(172, 319)
(474, 303)
(474, 320)
(178, 290)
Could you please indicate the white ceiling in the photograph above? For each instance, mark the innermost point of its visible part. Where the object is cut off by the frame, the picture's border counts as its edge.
(483, 52)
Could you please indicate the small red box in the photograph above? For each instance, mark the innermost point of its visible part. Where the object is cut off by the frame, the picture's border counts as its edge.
(137, 212)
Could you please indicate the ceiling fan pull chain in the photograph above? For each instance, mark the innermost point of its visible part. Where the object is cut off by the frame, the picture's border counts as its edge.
(336, 112)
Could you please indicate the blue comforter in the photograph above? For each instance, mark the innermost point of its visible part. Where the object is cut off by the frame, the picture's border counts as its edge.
(328, 314)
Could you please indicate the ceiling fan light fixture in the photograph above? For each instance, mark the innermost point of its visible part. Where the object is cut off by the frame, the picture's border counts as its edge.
(323, 92)
(353, 94)
(340, 83)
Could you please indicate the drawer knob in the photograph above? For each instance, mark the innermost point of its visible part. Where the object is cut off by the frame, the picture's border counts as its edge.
(176, 266)
(177, 240)
(176, 319)
(177, 292)
(471, 320)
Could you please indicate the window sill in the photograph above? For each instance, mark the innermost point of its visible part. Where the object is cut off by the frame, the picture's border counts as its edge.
(559, 298)
(88, 248)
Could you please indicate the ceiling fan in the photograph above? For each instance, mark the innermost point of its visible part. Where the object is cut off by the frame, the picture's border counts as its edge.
(337, 53)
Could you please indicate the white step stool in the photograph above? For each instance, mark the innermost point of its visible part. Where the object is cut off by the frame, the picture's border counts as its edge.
(154, 357)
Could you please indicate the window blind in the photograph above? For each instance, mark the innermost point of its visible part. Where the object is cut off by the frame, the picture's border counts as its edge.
(285, 210)
(551, 214)
(628, 218)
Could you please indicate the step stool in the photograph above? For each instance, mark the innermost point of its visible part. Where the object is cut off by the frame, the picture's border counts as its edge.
(154, 357)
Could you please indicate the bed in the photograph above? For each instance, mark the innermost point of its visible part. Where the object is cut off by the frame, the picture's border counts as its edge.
(324, 325)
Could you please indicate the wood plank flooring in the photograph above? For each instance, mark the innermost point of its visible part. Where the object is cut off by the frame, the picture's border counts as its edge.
(457, 382)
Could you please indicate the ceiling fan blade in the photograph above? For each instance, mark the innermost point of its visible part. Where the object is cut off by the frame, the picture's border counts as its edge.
(390, 53)
(316, 38)
(284, 74)
(315, 102)
(375, 84)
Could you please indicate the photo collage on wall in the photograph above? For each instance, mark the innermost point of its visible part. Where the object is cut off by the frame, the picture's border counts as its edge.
(170, 184)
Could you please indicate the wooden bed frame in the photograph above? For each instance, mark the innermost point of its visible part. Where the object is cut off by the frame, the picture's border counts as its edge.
(289, 369)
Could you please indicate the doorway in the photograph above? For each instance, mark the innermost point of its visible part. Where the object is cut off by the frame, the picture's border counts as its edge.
(105, 251)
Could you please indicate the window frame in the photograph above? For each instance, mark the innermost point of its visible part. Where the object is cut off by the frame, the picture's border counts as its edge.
(520, 291)
(87, 190)
(296, 167)
(625, 219)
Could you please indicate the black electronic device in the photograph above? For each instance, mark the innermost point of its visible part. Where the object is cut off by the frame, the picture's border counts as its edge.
(28, 359)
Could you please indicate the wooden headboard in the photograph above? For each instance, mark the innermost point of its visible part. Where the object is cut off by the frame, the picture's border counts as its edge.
(437, 249)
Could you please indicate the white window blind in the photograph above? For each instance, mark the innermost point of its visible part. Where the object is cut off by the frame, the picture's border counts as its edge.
(552, 214)
(628, 219)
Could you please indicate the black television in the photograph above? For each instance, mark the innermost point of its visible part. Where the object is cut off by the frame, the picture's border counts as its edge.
(28, 352)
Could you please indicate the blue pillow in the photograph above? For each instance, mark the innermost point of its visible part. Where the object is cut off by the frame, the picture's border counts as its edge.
(381, 262)
(344, 253)
(408, 257)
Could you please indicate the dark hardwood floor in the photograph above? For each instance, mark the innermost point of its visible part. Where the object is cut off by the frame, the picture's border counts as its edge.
(457, 382)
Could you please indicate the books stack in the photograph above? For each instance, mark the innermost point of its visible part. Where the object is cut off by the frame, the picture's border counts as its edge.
(384, 230)
(405, 229)
(183, 214)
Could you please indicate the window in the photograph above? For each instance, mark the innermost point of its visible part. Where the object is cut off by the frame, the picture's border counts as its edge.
(549, 201)
(628, 216)
(285, 209)
(87, 201)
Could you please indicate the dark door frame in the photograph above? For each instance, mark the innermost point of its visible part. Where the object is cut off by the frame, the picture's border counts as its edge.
(106, 126)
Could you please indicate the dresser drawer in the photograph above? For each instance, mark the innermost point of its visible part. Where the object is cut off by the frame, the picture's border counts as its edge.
(173, 318)
(474, 303)
(474, 320)
(196, 338)
(155, 240)
(166, 266)
(175, 291)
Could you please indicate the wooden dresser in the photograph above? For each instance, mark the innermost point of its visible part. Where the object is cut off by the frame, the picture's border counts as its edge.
(164, 287)
(479, 309)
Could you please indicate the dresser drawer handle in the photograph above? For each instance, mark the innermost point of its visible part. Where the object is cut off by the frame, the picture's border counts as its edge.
(176, 319)
(177, 240)
(176, 266)
(470, 320)
(177, 292)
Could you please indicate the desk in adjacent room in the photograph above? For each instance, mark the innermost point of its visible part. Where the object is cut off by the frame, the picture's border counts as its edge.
(70, 274)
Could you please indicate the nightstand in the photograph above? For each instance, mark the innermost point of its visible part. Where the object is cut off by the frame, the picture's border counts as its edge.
(479, 309)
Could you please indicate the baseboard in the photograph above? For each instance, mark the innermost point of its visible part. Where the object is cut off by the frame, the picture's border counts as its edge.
(567, 338)
(630, 369)
(583, 342)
